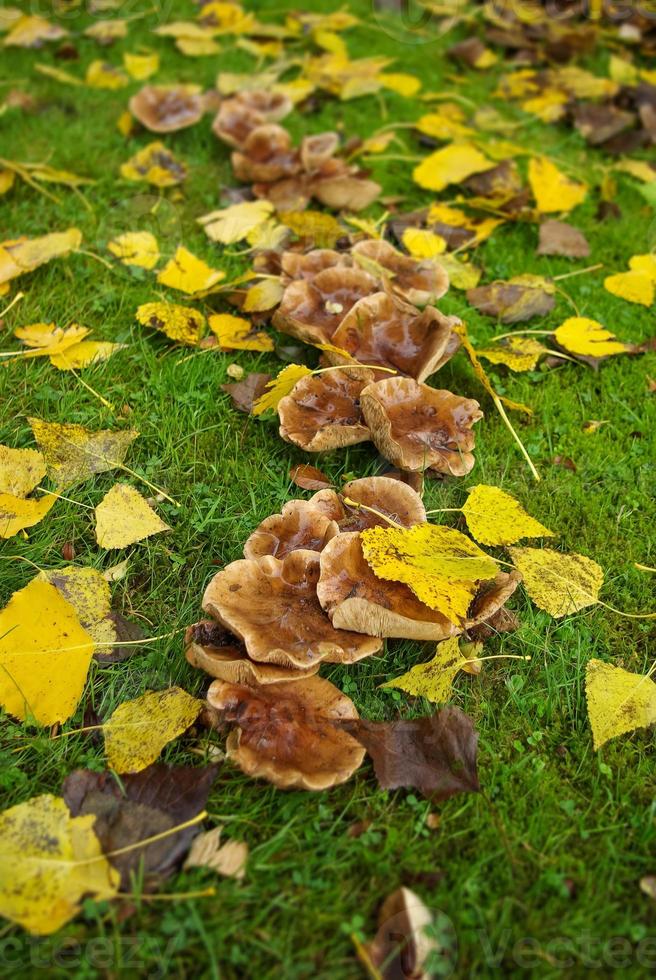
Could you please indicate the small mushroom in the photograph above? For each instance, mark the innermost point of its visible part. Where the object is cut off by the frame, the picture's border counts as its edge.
(210, 647)
(345, 192)
(288, 194)
(266, 155)
(383, 330)
(167, 108)
(391, 498)
(491, 597)
(288, 733)
(416, 427)
(272, 106)
(235, 121)
(272, 606)
(419, 281)
(356, 599)
(316, 150)
(312, 311)
(323, 411)
(299, 525)
(299, 265)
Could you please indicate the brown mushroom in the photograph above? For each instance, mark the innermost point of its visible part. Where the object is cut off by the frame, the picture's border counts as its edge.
(272, 606)
(356, 599)
(235, 121)
(491, 597)
(167, 108)
(312, 311)
(416, 427)
(323, 411)
(299, 525)
(272, 106)
(419, 281)
(267, 154)
(391, 498)
(288, 733)
(212, 648)
(306, 265)
(403, 944)
(316, 150)
(383, 330)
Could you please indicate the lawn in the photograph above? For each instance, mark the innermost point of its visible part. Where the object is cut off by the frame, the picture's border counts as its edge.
(540, 872)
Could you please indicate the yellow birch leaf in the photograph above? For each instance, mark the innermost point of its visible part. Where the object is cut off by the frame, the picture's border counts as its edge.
(269, 236)
(618, 701)
(73, 453)
(197, 47)
(399, 82)
(440, 565)
(548, 106)
(322, 228)
(28, 254)
(443, 127)
(516, 353)
(126, 127)
(138, 730)
(180, 323)
(21, 470)
(45, 339)
(278, 387)
(32, 32)
(423, 244)
(450, 165)
(552, 190)
(187, 273)
(462, 275)
(622, 71)
(232, 224)
(433, 679)
(49, 862)
(88, 592)
(84, 354)
(578, 335)
(235, 333)
(646, 264)
(17, 513)
(141, 66)
(494, 517)
(124, 517)
(44, 655)
(136, 248)
(7, 178)
(102, 74)
(156, 165)
(559, 583)
(107, 31)
(461, 330)
(263, 296)
(635, 287)
(639, 169)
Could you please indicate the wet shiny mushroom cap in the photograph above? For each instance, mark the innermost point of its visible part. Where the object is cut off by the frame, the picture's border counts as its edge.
(323, 411)
(390, 497)
(317, 150)
(267, 154)
(235, 121)
(420, 281)
(416, 427)
(299, 525)
(356, 599)
(491, 597)
(167, 108)
(312, 311)
(300, 265)
(272, 606)
(289, 734)
(383, 330)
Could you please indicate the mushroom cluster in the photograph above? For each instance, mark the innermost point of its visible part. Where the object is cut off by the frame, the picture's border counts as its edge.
(304, 595)
(265, 157)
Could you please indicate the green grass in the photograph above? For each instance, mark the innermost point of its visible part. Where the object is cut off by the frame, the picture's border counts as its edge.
(542, 867)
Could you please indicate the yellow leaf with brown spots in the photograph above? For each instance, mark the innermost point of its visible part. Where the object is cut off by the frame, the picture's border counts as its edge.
(138, 248)
(495, 518)
(156, 165)
(21, 470)
(124, 517)
(516, 353)
(433, 680)
(559, 583)
(138, 730)
(17, 513)
(236, 333)
(180, 323)
(73, 453)
(618, 701)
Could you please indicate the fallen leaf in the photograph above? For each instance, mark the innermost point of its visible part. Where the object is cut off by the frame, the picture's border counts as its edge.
(227, 859)
(180, 323)
(138, 730)
(27, 254)
(633, 286)
(585, 337)
(278, 387)
(559, 583)
(124, 517)
(245, 393)
(45, 339)
(495, 518)
(403, 945)
(514, 300)
(73, 453)
(84, 354)
(236, 333)
(138, 248)
(552, 190)
(450, 165)
(516, 353)
(559, 238)
(32, 32)
(234, 223)
(17, 513)
(432, 680)
(263, 296)
(322, 229)
(49, 862)
(309, 477)
(44, 653)
(422, 243)
(141, 66)
(439, 564)
(188, 273)
(436, 755)
(618, 701)
(21, 470)
(154, 164)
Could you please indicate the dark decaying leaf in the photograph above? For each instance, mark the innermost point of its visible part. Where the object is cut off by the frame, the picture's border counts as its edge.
(309, 477)
(150, 802)
(518, 299)
(559, 238)
(244, 393)
(436, 754)
(125, 631)
(402, 945)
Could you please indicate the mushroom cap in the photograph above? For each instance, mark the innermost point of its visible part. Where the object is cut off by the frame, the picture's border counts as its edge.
(356, 599)
(272, 106)
(167, 108)
(420, 281)
(266, 155)
(210, 647)
(491, 597)
(272, 606)
(323, 411)
(383, 330)
(288, 733)
(316, 150)
(417, 427)
(235, 121)
(391, 497)
(288, 194)
(312, 311)
(299, 525)
(345, 191)
(300, 265)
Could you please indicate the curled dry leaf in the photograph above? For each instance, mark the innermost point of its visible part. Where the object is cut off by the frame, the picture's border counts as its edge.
(304, 476)
(298, 526)
(212, 648)
(416, 427)
(167, 108)
(288, 734)
(272, 606)
(402, 945)
(518, 299)
(323, 411)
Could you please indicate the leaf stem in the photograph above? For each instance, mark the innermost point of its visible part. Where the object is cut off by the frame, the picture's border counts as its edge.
(372, 510)
(152, 486)
(577, 272)
(502, 412)
(16, 299)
